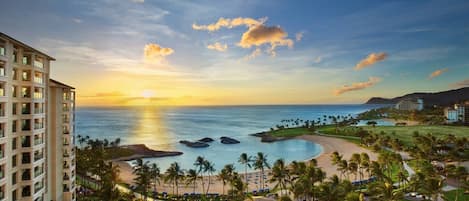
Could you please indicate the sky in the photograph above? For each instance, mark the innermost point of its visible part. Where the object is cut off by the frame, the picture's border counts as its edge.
(161, 52)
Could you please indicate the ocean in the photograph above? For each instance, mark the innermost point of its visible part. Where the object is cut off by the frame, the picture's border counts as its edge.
(162, 128)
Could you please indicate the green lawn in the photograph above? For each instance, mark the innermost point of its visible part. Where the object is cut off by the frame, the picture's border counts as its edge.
(405, 133)
(290, 132)
(451, 195)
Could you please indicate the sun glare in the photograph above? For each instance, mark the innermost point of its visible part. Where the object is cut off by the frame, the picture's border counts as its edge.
(147, 93)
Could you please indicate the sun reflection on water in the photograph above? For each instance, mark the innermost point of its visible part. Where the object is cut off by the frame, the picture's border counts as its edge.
(151, 130)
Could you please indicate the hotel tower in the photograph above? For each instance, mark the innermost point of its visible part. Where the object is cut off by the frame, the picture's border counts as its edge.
(37, 157)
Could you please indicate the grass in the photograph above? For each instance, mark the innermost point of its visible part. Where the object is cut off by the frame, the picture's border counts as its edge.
(290, 132)
(405, 133)
(451, 195)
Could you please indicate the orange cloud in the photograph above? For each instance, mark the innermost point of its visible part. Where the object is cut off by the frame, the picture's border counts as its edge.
(218, 47)
(261, 34)
(229, 23)
(253, 54)
(154, 53)
(464, 83)
(437, 73)
(370, 60)
(357, 86)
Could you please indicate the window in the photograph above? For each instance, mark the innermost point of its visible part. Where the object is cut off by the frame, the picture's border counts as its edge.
(38, 123)
(2, 88)
(39, 62)
(2, 109)
(25, 141)
(14, 160)
(14, 108)
(38, 170)
(14, 143)
(26, 92)
(2, 48)
(38, 93)
(26, 158)
(2, 68)
(26, 191)
(14, 178)
(26, 75)
(38, 108)
(13, 126)
(66, 95)
(25, 108)
(2, 171)
(15, 56)
(14, 195)
(2, 130)
(14, 74)
(38, 186)
(38, 139)
(14, 91)
(38, 77)
(2, 151)
(26, 59)
(26, 124)
(38, 155)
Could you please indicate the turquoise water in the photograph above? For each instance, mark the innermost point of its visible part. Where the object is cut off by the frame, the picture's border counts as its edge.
(162, 128)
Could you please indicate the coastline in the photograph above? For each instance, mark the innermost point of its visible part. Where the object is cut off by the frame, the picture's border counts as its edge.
(328, 144)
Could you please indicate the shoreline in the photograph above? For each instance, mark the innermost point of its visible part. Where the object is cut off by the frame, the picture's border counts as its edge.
(328, 145)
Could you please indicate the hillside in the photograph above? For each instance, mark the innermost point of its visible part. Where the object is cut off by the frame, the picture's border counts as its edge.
(444, 98)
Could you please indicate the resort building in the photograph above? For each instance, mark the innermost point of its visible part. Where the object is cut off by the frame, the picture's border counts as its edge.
(36, 127)
(458, 113)
(410, 104)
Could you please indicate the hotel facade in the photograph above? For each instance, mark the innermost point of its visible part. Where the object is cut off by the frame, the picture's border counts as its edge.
(37, 158)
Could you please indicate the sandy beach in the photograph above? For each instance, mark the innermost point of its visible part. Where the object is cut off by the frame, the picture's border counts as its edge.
(329, 145)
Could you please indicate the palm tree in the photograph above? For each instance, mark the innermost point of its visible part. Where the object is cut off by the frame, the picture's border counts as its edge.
(342, 167)
(199, 165)
(174, 174)
(191, 178)
(384, 191)
(433, 187)
(143, 177)
(155, 175)
(109, 180)
(280, 175)
(209, 169)
(260, 163)
(224, 176)
(245, 160)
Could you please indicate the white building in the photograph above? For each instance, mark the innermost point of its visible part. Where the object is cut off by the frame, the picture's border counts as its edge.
(457, 113)
(410, 104)
(37, 161)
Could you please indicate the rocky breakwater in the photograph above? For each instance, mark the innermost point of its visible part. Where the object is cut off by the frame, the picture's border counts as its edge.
(228, 140)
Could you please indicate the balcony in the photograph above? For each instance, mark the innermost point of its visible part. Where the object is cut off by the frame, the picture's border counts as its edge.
(38, 141)
(2, 133)
(38, 156)
(2, 51)
(2, 112)
(66, 177)
(66, 155)
(38, 63)
(26, 176)
(38, 110)
(26, 192)
(38, 126)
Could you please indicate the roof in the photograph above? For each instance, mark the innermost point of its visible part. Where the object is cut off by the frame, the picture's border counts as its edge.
(25, 45)
(61, 84)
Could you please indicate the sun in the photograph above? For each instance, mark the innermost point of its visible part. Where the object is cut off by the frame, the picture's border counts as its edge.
(147, 93)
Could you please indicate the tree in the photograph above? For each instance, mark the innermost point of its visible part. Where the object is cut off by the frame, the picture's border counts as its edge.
(209, 169)
(225, 176)
(245, 160)
(280, 175)
(174, 174)
(143, 177)
(384, 191)
(199, 165)
(260, 163)
(191, 178)
(155, 175)
(109, 180)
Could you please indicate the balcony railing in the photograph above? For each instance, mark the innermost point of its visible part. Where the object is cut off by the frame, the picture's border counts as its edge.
(26, 176)
(66, 132)
(2, 112)
(38, 141)
(2, 133)
(38, 173)
(38, 157)
(38, 126)
(2, 51)
(38, 64)
(38, 110)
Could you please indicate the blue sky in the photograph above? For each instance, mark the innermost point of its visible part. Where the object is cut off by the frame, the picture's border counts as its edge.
(100, 49)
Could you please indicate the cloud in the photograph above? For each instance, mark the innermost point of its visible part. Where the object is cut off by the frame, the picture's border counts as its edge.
(105, 94)
(218, 47)
(253, 54)
(464, 83)
(318, 59)
(229, 23)
(260, 34)
(370, 60)
(437, 73)
(299, 36)
(138, 1)
(154, 53)
(76, 20)
(357, 86)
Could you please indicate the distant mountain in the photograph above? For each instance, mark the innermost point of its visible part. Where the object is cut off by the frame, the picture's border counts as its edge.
(444, 98)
